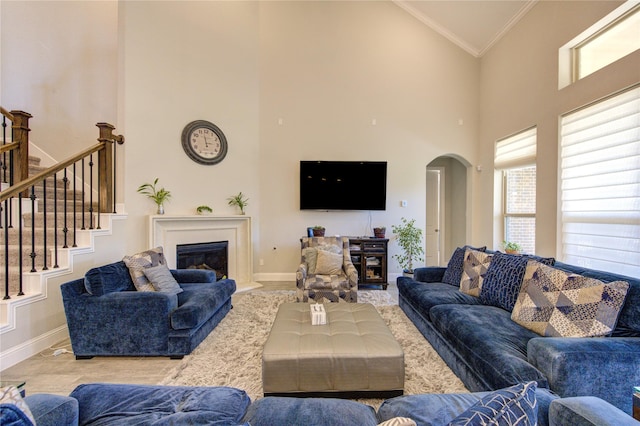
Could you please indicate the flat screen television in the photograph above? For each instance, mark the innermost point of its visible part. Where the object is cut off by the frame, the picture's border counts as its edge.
(343, 185)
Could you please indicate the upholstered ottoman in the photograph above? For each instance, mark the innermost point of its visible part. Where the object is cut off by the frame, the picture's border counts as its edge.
(353, 355)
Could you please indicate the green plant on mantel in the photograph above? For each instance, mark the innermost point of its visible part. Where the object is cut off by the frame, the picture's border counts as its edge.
(409, 239)
(159, 196)
(239, 200)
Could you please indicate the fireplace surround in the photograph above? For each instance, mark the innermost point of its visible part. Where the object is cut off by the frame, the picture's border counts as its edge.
(169, 231)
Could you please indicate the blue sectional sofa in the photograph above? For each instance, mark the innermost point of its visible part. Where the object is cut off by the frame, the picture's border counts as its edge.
(487, 350)
(117, 404)
(107, 316)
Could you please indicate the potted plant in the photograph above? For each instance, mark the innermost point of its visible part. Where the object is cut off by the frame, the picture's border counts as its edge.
(409, 239)
(239, 200)
(204, 210)
(159, 196)
(379, 231)
(511, 248)
(318, 231)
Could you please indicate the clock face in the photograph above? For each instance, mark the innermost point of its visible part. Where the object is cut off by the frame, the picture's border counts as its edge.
(204, 142)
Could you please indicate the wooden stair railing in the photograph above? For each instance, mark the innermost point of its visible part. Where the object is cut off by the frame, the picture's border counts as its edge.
(76, 188)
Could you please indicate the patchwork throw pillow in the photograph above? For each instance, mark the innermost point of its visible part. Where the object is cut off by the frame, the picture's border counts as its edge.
(561, 304)
(139, 261)
(512, 406)
(501, 284)
(11, 395)
(162, 279)
(328, 263)
(453, 273)
(474, 267)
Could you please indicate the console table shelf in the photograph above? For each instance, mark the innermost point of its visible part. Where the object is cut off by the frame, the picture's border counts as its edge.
(369, 256)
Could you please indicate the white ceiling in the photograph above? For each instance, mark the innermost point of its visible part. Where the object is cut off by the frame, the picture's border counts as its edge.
(474, 25)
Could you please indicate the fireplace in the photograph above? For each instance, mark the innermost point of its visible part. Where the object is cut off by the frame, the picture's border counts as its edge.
(211, 256)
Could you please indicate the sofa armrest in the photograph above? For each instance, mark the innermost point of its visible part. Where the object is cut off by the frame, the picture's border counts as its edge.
(301, 275)
(350, 271)
(194, 275)
(429, 274)
(606, 367)
(53, 410)
(587, 411)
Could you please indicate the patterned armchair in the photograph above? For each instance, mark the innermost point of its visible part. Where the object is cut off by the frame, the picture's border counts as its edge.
(326, 271)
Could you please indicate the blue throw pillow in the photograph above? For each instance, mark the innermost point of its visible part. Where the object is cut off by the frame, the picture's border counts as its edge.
(503, 280)
(515, 405)
(453, 274)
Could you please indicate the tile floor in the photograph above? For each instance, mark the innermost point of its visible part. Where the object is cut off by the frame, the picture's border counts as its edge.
(61, 374)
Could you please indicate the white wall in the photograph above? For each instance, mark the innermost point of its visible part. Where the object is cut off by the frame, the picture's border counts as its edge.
(519, 89)
(327, 69)
(59, 65)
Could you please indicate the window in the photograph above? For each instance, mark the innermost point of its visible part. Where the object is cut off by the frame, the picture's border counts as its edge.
(516, 156)
(600, 185)
(613, 37)
(615, 41)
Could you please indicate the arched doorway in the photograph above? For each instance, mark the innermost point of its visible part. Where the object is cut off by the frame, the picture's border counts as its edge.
(446, 208)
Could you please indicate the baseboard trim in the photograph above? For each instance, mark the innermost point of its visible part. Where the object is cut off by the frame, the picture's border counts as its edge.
(275, 276)
(27, 349)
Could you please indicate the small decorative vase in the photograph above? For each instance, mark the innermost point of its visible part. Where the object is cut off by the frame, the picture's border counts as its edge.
(318, 232)
(379, 232)
(160, 208)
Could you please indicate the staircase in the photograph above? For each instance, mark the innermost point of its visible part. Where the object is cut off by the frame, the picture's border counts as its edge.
(55, 203)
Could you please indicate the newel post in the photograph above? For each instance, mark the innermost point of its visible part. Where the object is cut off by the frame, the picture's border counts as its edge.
(106, 169)
(20, 127)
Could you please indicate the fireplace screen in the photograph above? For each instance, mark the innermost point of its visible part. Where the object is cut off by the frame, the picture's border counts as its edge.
(212, 256)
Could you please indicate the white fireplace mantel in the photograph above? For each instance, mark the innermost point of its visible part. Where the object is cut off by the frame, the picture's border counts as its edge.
(169, 231)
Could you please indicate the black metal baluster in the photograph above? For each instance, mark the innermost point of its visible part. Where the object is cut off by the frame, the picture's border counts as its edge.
(75, 210)
(83, 196)
(65, 228)
(55, 220)
(33, 229)
(44, 225)
(20, 263)
(6, 250)
(91, 191)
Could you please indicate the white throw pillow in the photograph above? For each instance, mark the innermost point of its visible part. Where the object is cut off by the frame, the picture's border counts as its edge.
(328, 263)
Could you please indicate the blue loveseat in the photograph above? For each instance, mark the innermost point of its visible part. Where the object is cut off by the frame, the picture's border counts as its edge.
(488, 351)
(107, 316)
(118, 404)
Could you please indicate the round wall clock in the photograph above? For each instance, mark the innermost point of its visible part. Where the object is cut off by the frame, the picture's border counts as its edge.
(204, 142)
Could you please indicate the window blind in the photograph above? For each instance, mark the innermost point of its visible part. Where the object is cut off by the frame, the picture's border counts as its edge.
(517, 150)
(600, 185)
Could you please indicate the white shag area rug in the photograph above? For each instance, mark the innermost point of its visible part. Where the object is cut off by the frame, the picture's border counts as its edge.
(232, 354)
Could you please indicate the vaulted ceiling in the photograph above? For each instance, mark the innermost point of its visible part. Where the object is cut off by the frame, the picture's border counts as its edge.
(474, 25)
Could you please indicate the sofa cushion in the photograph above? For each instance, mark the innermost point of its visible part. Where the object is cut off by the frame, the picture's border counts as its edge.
(492, 345)
(513, 406)
(439, 409)
(560, 304)
(13, 409)
(198, 302)
(102, 403)
(137, 262)
(272, 411)
(161, 279)
(454, 268)
(503, 280)
(474, 269)
(424, 296)
(108, 279)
